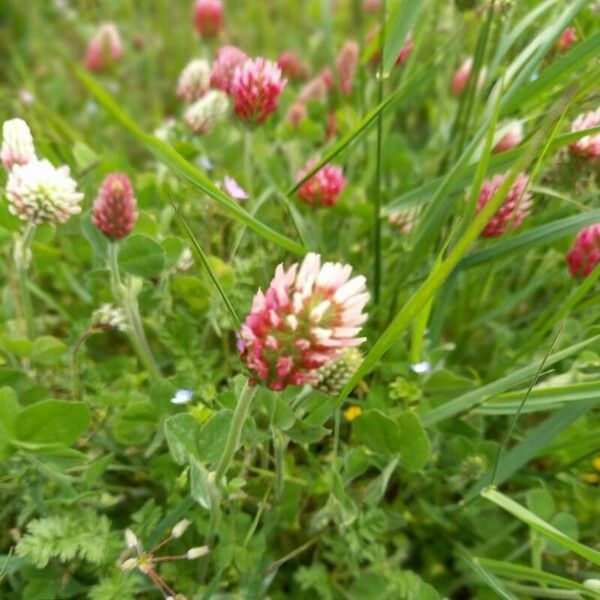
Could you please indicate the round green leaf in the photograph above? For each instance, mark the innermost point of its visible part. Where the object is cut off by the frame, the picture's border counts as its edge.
(52, 422)
(142, 256)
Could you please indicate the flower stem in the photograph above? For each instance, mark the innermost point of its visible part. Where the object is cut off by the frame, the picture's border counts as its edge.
(21, 260)
(75, 383)
(235, 431)
(279, 444)
(126, 296)
(248, 175)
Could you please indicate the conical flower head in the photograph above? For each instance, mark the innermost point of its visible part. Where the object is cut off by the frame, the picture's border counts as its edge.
(114, 211)
(109, 317)
(17, 144)
(208, 17)
(255, 89)
(588, 146)
(324, 187)
(514, 209)
(291, 65)
(309, 314)
(584, 254)
(567, 38)
(194, 80)
(39, 192)
(228, 59)
(462, 75)
(346, 64)
(201, 116)
(333, 376)
(105, 48)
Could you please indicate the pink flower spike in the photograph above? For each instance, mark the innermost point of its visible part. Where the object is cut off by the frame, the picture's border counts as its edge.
(291, 65)
(233, 188)
(104, 49)
(371, 6)
(346, 64)
(516, 206)
(566, 40)
(588, 146)
(114, 210)
(584, 254)
(296, 114)
(208, 17)
(255, 89)
(508, 137)
(227, 60)
(308, 315)
(461, 77)
(324, 187)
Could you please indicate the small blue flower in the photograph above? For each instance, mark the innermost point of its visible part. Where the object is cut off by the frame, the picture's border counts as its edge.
(182, 397)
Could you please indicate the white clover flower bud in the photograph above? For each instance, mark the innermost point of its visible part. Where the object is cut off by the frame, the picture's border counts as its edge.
(194, 80)
(204, 113)
(197, 552)
(109, 317)
(131, 539)
(129, 564)
(179, 529)
(39, 192)
(17, 144)
(185, 260)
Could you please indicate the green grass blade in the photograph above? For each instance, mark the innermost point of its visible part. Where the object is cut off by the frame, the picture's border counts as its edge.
(532, 444)
(399, 24)
(539, 525)
(544, 234)
(169, 156)
(525, 573)
(204, 260)
(488, 578)
(540, 400)
(467, 401)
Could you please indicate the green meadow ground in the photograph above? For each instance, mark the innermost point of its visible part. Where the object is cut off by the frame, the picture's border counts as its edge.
(474, 476)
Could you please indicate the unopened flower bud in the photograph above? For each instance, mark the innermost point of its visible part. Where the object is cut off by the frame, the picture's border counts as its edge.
(114, 211)
(197, 552)
(17, 144)
(179, 529)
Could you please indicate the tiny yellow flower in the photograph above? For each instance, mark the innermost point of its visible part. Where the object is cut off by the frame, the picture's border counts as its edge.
(591, 478)
(352, 412)
(596, 463)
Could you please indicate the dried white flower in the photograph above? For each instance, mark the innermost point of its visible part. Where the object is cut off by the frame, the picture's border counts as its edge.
(39, 192)
(201, 116)
(109, 317)
(131, 539)
(194, 80)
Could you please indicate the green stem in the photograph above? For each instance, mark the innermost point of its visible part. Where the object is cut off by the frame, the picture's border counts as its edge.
(75, 367)
(240, 414)
(378, 174)
(279, 450)
(126, 296)
(21, 260)
(248, 175)
(537, 592)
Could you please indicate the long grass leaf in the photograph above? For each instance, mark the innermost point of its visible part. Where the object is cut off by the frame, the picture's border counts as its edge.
(539, 525)
(169, 156)
(398, 25)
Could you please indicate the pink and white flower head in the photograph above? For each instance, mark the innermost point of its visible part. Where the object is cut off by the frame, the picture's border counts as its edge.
(208, 17)
(201, 116)
(17, 144)
(508, 136)
(588, 146)
(255, 89)
(39, 192)
(371, 6)
(104, 49)
(584, 254)
(296, 113)
(309, 314)
(516, 206)
(324, 187)
(403, 220)
(291, 65)
(115, 209)
(226, 62)
(194, 80)
(461, 77)
(346, 64)
(566, 40)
